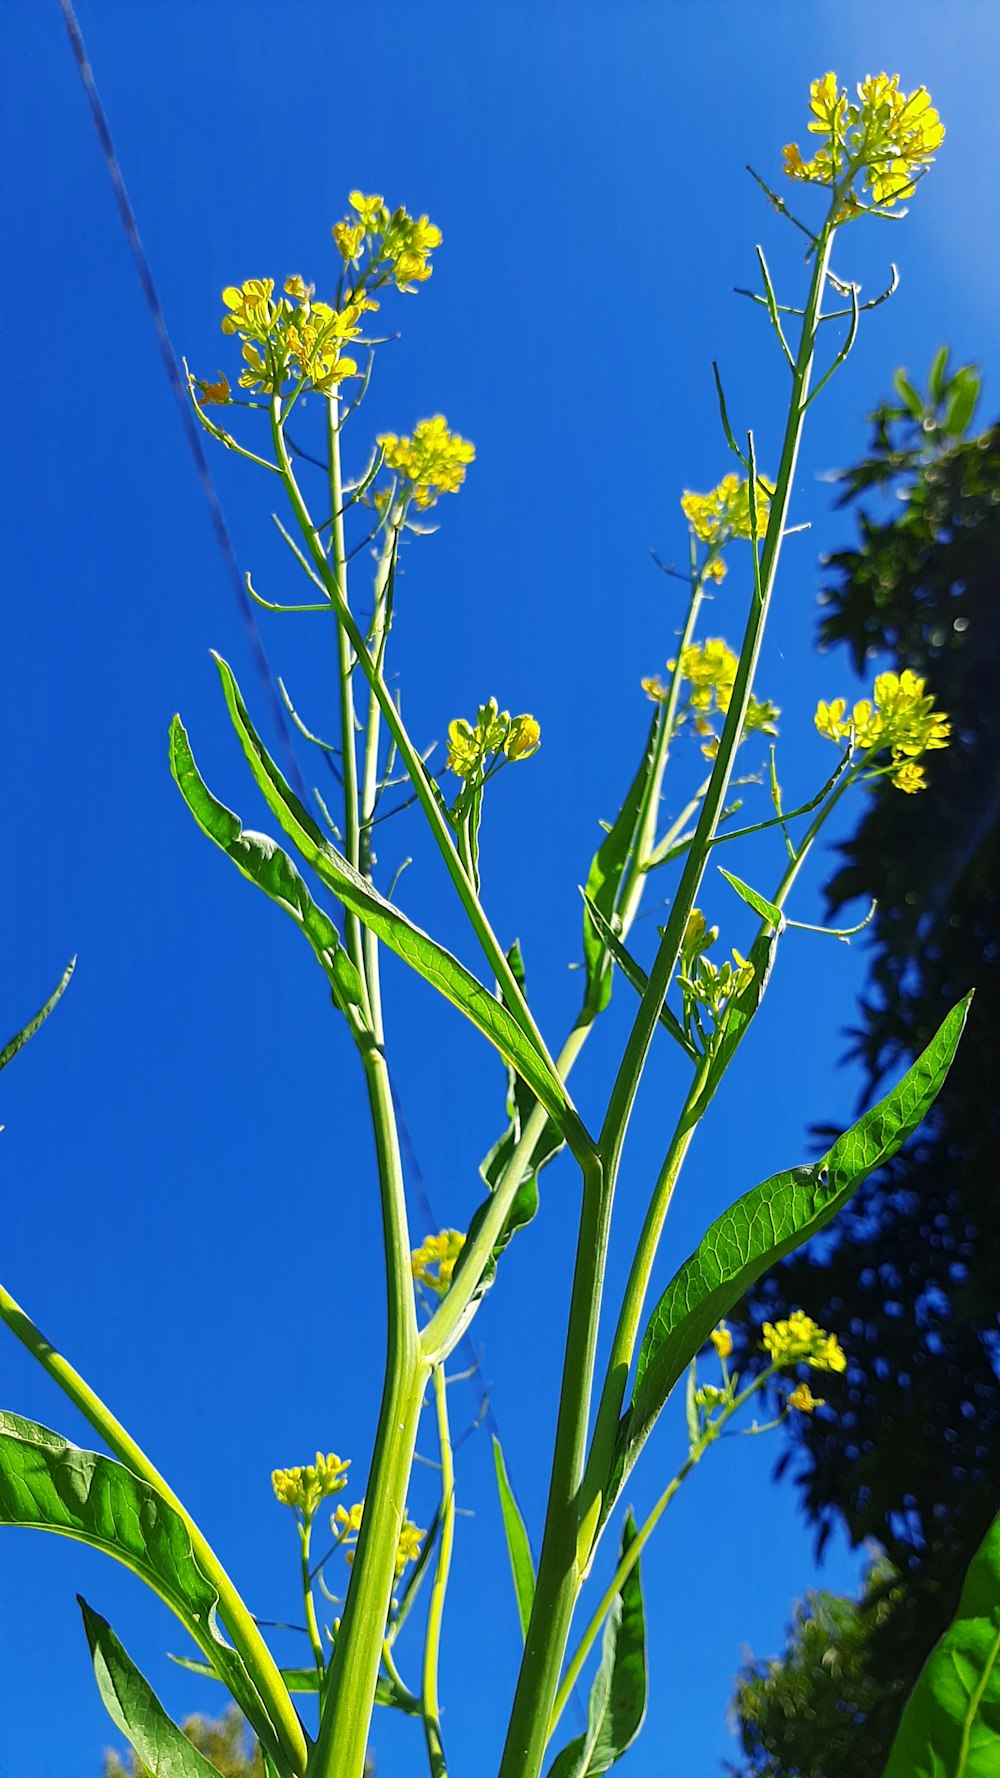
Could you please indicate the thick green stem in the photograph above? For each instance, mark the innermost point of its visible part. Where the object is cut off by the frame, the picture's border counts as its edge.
(435, 1611)
(630, 1314)
(558, 1576)
(566, 1542)
(347, 1703)
(246, 1637)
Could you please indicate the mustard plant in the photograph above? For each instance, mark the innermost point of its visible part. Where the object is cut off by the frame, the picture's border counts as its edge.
(359, 1594)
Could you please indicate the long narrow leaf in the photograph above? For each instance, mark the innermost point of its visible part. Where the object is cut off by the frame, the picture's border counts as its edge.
(135, 1709)
(616, 1708)
(47, 1484)
(518, 1547)
(951, 1725)
(430, 960)
(308, 1679)
(10, 1049)
(605, 877)
(263, 862)
(761, 1228)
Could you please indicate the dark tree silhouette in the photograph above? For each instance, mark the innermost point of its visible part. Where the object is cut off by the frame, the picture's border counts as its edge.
(908, 1452)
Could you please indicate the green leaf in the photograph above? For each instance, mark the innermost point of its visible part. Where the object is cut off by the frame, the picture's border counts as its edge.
(518, 1548)
(938, 379)
(963, 394)
(605, 877)
(307, 1679)
(10, 1050)
(634, 973)
(134, 1708)
(760, 904)
(950, 1727)
(262, 861)
(430, 960)
(521, 1102)
(47, 1484)
(617, 1704)
(908, 394)
(761, 1228)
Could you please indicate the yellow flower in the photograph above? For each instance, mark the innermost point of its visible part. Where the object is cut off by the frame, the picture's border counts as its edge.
(251, 309)
(349, 237)
(798, 1340)
(432, 462)
(304, 1488)
(725, 513)
(408, 1547)
(433, 1263)
(372, 212)
(213, 394)
(900, 718)
(409, 242)
(722, 1340)
(886, 141)
(804, 1400)
(909, 776)
(297, 287)
(523, 738)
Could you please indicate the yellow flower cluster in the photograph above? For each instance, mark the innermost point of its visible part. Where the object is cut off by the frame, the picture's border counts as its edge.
(432, 462)
(709, 668)
(722, 1340)
(433, 1263)
(290, 336)
(305, 1487)
(724, 513)
(472, 747)
(887, 140)
(398, 242)
(345, 1523)
(710, 986)
(899, 717)
(799, 1341)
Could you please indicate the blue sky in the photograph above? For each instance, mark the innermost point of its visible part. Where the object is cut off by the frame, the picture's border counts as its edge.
(190, 1210)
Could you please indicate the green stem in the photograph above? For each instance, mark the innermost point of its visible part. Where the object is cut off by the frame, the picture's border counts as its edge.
(636, 1547)
(414, 765)
(626, 1084)
(315, 1640)
(435, 1612)
(246, 1637)
(347, 1703)
(627, 1330)
(337, 567)
(566, 1541)
(369, 780)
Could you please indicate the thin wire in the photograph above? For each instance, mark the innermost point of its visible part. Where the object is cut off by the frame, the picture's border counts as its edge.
(172, 367)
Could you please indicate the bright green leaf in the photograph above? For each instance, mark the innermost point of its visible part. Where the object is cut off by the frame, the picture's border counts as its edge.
(518, 1547)
(908, 394)
(760, 904)
(10, 1049)
(430, 960)
(263, 862)
(617, 1704)
(134, 1707)
(47, 1484)
(307, 1679)
(951, 1725)
(963, 394)
(604, 879)
(761, 1228)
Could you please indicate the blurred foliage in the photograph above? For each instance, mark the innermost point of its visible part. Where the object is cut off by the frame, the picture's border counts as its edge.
(813, 1703)
(907, 1453)
(223, 1740)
